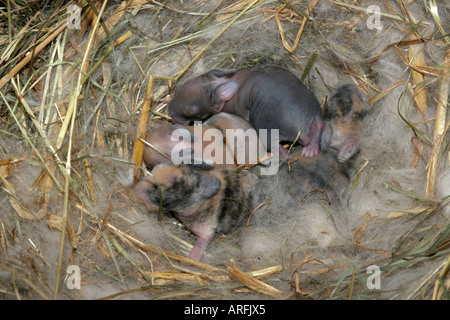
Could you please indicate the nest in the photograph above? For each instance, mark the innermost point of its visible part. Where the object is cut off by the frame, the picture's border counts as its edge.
(81, 81)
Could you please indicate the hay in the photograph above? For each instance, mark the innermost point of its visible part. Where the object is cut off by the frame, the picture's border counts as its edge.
(69, 140)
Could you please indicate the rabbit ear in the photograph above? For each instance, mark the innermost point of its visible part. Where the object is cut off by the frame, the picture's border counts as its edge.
(221, 94)
(225, 91)
(202, 163)
(190, 158)
(348, 149)
(208, 185)
(223, 73)
(165, 174)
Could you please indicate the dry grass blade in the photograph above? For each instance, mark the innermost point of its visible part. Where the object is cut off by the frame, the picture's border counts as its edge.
(254, 210)
(351, 284)
(441, 109)
(359, 233)
(165, 253)
(262, 273)
(28, 57)
(413, 211)
(115, 17)
(138, 150)
(91, 70)
(23, 211)
(437, 290)
(125, 254)
(417, 58)
(385, 92)
(180, 73)
(12, 45)
(168, 276)
(44, 187)
(81, 78)
(70, 116)
(322, 270)
(25, 135)
(435, 14)
(252, 283)
(425, 281)
(286, 45)
(38, 127)
(27, 281)
(259, 160)
(90, 180)
(55, 222)
(433, 162)
(309, 65)
(203, 278)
